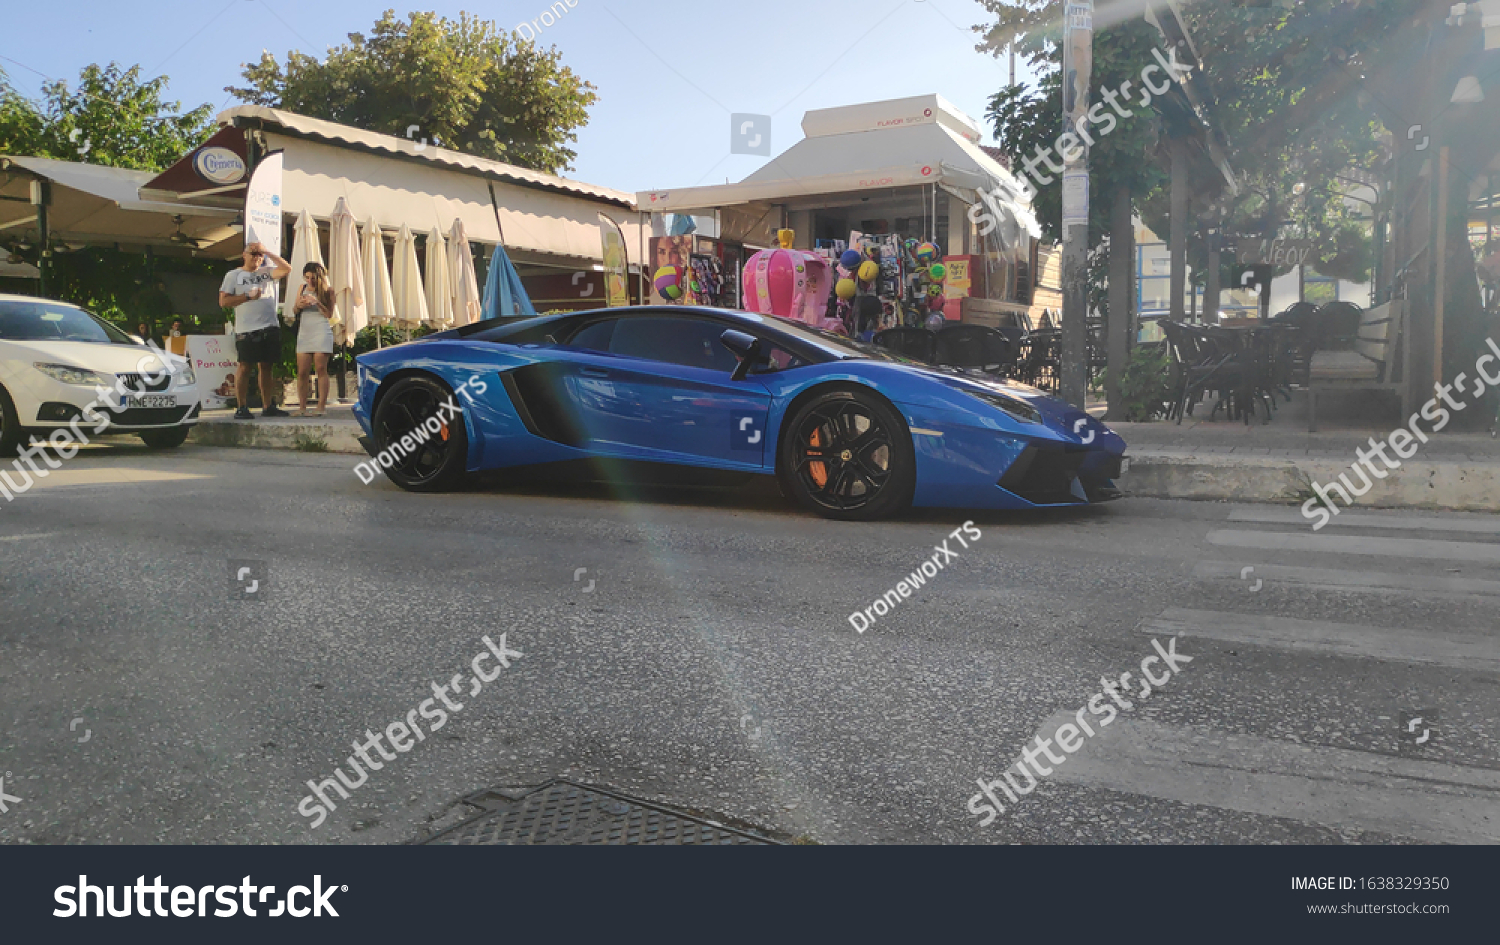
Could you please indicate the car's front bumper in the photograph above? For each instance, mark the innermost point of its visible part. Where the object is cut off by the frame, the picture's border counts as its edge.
(48, 404)
(965, 466)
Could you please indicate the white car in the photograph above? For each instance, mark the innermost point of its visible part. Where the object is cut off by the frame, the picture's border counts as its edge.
(62, 365)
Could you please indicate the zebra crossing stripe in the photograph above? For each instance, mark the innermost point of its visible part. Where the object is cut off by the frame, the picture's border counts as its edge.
(1431, 549)
(1378, 582)
(1321, 637)
(1333, 787)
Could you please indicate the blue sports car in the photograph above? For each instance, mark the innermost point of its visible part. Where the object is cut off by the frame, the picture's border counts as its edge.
(850, 430)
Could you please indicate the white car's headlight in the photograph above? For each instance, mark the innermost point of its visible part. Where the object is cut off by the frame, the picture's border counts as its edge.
(186, 377)
(73, 375)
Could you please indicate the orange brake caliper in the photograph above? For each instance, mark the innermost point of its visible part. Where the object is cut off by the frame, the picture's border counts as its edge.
(818, 471)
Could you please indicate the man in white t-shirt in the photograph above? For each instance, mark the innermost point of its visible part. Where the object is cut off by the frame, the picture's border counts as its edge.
(251, 291)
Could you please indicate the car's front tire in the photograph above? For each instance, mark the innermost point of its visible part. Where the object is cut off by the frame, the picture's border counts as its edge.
(10, 425)
(848, 455)
(436, 463)
(166, 439)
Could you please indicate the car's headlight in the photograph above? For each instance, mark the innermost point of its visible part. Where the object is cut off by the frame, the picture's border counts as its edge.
(73, 375)
(186, 377)
(1012, 407)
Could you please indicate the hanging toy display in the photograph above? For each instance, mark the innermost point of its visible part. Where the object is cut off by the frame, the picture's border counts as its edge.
(668, 282)
(869, 271)
(937, 272)
(846, 289)
(851, 259)
(787, 282)
(927, 254)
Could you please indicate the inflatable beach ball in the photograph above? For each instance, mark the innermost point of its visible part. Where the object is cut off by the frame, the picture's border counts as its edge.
(669, 282)
(928, 253)
(846, 289)
(869, 271)
(938, 272)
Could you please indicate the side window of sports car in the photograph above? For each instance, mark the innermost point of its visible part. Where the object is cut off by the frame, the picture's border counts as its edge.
(594, 337)
(691, 342)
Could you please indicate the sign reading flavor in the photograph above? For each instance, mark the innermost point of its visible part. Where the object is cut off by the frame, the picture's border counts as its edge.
(219, 165)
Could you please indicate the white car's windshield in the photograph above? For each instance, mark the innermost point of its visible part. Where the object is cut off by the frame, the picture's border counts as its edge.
(45, 320)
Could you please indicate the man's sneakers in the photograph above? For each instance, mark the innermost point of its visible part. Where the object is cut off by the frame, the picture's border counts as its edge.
(274, 411)
(244, 414)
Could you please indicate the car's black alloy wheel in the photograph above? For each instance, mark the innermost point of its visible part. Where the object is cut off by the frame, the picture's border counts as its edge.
(436, 463)
(848, 455)
(10, 425)
(166, 439)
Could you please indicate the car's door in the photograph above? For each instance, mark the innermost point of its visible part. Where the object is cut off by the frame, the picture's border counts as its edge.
(663, 391)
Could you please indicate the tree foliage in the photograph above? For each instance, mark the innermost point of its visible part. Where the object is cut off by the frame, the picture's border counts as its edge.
(471, 86)
(1285, 84)
(111, 118)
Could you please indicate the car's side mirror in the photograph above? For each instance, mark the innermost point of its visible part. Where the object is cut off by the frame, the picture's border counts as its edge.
(744, 346)
(138, 339)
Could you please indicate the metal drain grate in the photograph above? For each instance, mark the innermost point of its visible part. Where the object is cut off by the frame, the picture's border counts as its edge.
(561, 813)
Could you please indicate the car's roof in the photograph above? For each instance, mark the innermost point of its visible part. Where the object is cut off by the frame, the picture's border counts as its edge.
(4, 297)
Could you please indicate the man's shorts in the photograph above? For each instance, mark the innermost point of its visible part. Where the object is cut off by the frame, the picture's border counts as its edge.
(259, 347)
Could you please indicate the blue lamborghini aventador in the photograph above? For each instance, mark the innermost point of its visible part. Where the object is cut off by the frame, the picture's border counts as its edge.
(850, 430)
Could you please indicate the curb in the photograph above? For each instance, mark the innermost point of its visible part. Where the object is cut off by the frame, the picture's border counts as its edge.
(1457, 485)
(279, 435)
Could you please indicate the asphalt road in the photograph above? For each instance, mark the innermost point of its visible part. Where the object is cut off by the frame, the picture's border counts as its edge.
(705, 659)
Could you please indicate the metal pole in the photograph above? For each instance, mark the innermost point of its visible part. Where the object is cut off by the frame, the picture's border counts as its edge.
(1441, 296)
(1179, 223)
(1078, 60)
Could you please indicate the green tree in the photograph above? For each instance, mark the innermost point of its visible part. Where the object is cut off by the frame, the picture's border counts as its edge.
(473, 87)
(111, 118)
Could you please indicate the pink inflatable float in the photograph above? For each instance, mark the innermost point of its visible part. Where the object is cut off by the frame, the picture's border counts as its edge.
(789, 283)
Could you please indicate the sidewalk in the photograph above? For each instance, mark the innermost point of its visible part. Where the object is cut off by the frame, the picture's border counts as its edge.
(1274, 462)
(335, 433)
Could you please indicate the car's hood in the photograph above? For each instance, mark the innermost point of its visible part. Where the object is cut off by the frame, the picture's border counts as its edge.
(109, 359)
(1060, 416)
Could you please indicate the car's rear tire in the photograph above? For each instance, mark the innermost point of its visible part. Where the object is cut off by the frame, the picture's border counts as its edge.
(848, 455)
(166, 439)
(10, 425)
(437, 463)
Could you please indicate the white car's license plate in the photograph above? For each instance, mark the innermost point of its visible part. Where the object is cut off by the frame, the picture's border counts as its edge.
(151, 400)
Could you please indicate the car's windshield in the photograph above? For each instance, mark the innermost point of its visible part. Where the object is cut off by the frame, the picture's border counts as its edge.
(46, 320)
(837, 345)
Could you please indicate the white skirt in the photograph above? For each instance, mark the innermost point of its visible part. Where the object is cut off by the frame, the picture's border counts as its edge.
(316, 334)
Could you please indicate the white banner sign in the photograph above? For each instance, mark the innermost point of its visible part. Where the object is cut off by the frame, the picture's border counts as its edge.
(214, 361)
(263, 204)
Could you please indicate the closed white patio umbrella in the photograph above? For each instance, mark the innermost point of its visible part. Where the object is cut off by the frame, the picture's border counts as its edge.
(406, 282)
(346, 273)
(305, 249)
(379, 300)
(467, 304)
(439, 299)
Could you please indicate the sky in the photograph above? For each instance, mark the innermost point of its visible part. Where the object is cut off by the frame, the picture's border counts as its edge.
(669, 72)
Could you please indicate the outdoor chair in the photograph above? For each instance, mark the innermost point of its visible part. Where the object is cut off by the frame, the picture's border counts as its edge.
(918, 344)
(1380, 361)
(1042, 360)
(974, 346)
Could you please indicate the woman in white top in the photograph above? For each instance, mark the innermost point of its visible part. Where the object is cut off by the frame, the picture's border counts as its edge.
(315, 336)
